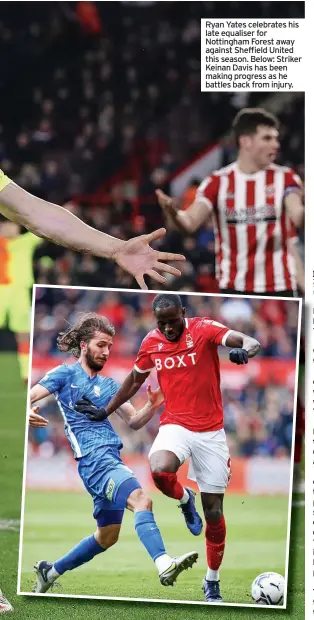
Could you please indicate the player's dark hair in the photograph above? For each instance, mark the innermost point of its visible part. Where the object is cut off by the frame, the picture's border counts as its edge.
(247, 121)
(84, 328)
(167, 300)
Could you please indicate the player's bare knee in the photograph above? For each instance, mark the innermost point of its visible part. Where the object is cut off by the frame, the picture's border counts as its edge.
(143, 503)
(212, 506)
(213, 514)
(157, 468)
(146, 503)
(164, 462)
(138, 500)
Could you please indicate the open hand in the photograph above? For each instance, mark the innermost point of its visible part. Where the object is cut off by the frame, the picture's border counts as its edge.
(154, 397)
(137, 258)
(166, 203)
(36, 420)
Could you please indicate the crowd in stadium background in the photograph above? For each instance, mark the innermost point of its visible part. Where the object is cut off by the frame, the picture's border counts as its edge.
(91, 119)
(100, 128)
(258, 414)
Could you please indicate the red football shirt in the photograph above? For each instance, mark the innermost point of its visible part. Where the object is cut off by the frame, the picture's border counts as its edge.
(252, 227)
(188, 373)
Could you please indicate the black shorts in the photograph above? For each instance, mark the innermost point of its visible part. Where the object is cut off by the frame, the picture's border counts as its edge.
(231, 291)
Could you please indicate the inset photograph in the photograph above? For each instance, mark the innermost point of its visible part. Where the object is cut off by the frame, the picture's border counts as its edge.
(141, 404)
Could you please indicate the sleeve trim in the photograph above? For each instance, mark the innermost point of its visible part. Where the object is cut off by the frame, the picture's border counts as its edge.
(223, 342)
(142, 371)
(4, 181)
(292, 188)
(205, 200)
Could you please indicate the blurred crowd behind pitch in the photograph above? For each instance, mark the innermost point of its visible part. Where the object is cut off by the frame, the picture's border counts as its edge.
(258, 400)
(104, 105)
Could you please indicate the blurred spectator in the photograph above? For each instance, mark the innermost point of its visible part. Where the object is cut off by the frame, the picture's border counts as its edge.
(105, 106)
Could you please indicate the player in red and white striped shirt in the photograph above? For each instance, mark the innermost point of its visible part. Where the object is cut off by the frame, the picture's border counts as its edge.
(253, 203)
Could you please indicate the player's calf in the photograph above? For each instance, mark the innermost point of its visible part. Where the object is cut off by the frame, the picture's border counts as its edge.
(168, 484)
(164, 466)
(148, 532)
(47, 573)
(215, 537)
(107, 536)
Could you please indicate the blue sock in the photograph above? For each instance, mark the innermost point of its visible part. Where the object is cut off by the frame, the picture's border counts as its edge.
(149, 534)
(82, 553)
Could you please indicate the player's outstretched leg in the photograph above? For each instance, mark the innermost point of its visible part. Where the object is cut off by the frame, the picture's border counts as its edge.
(215, 535)
(47, 573)
(148, 532)
(5, 606)
(164, 465)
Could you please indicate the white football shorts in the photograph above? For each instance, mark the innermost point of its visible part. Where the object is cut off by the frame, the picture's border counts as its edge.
(210, 459)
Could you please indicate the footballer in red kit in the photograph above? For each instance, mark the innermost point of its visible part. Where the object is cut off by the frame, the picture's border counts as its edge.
(199, 406)
(184, 352)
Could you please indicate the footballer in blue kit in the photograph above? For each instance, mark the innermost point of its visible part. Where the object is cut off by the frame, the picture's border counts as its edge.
(81, 394)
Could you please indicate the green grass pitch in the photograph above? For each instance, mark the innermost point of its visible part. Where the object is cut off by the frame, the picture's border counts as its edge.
(56, 521)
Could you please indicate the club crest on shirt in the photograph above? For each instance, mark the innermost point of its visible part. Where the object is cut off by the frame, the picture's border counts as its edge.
(160, 346)
(189, 341)
(96, 390)
(270, 190)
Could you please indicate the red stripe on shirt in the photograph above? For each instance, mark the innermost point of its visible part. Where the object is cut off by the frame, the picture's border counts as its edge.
(251, 238)
(269, 249)
(230, 202)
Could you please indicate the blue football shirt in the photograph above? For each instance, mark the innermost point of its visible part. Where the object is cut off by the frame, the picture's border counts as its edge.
(69, 383)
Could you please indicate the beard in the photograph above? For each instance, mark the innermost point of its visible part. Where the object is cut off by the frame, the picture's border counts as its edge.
(92, 363)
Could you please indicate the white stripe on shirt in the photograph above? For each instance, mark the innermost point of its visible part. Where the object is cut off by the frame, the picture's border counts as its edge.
(73, 439)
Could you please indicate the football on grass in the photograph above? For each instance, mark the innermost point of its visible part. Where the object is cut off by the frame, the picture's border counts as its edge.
(268, 589)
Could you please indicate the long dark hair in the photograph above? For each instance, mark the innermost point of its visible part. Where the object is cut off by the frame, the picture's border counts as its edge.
(84, 328)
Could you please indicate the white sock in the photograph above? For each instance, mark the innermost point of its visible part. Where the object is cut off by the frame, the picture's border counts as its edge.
(212, 575)
(52, 574)
(163, 562)
(185, 498)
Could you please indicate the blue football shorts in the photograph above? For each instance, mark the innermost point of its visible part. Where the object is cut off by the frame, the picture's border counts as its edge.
(109, 482)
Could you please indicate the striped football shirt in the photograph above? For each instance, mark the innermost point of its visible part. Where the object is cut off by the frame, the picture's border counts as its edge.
(252, 227)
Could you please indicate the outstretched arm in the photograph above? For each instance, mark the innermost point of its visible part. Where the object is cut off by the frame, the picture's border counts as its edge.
(137, 419)
(55, 223)
(37, 393)
(129, 387)
(187, 221)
